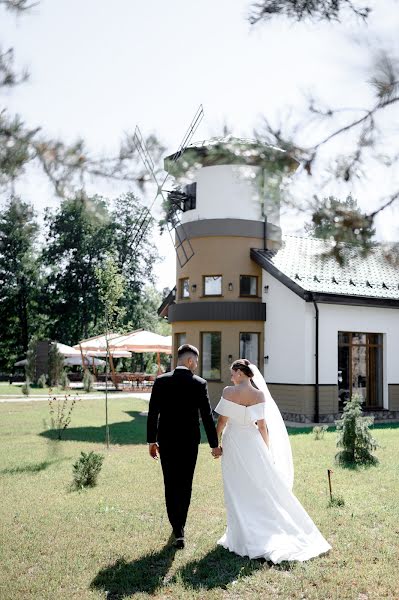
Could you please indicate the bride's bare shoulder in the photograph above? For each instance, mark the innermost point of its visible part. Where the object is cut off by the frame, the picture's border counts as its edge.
(228, 392)
(260, 396)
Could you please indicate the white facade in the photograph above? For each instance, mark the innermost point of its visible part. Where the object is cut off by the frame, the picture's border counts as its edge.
(226, 192)
(290, 337)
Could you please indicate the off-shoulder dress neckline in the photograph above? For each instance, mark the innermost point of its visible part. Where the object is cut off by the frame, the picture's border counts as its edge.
(243, 405)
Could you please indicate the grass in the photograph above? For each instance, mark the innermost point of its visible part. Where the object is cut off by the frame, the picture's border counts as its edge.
(111, 541)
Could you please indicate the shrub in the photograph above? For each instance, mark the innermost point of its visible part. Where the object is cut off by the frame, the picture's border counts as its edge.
(26, 387)
(55, 365)
(319, 431)
(86, 469)
(88, 381)
(60, 413)
(354, 435)
(41, 382)
(64, 381)
(336, 501)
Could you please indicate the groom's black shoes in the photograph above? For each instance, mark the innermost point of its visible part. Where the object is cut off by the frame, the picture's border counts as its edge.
(179, 543)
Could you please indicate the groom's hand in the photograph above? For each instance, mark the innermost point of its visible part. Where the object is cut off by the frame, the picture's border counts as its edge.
(153, 450)
(217, 452)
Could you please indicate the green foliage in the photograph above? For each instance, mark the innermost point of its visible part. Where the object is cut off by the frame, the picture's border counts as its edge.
(86, 469)
(61, 413)
(336, 501)
(55, 365)
(354, 435)
(111, 286)
(30, 367)
(88, 380)
(42, 381)
(64, 381)
(306, 10)
(19, 276)
(319, 431)
(26, 387)
(342, 221)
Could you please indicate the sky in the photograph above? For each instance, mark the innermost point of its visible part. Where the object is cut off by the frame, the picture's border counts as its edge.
(98, 68)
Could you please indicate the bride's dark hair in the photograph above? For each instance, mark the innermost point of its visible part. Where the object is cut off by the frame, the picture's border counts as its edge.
(242, 364)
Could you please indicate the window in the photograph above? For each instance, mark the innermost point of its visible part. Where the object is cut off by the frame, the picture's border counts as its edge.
(212, 285)
(180, 339)
(190, 199)
(185, 288)
(249, 347)
(211, 343)
(248, 285)
(360, 368)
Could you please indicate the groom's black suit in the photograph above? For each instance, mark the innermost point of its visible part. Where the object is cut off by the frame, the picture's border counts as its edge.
(173, 421)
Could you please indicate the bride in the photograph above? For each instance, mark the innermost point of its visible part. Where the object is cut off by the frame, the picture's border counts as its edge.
(264, 518)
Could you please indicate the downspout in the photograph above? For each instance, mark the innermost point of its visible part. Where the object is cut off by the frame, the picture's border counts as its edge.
(317, 385)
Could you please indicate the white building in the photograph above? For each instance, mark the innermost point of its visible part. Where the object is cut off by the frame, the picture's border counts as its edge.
(317, 331)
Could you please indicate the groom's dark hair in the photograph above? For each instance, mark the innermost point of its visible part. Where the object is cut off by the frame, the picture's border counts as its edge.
(187, 349)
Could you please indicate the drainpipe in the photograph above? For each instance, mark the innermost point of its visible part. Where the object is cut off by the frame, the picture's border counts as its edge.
(265, 232)
(317, 386)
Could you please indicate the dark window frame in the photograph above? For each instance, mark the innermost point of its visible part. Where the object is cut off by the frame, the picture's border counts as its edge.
(204, 295)
(181, 280)
(202, 355)
(349, 344)
(256, 295)
(258, 333)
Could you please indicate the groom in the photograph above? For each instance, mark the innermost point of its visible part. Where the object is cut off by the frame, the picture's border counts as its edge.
(173, 431)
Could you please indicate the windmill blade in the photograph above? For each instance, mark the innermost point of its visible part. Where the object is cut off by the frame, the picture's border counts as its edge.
(144, 153)
(143, 223)
(182, 244)
(199, 115)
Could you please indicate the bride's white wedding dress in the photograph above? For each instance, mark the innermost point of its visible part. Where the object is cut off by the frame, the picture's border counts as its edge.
(264, 518)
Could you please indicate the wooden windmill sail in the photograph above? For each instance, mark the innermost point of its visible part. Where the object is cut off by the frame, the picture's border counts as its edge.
(181, 243)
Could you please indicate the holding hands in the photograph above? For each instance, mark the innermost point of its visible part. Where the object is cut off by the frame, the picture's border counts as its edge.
(217, 452)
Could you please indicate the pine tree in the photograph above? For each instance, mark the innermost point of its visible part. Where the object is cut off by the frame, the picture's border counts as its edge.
(354, 435)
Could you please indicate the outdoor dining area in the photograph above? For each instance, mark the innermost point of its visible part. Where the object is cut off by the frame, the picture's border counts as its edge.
(107, 348)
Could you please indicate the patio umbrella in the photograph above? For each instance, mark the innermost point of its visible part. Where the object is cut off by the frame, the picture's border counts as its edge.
(144, 341)
(88, 360)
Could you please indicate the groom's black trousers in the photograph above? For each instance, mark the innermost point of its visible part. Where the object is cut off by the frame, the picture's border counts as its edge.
(178, 465)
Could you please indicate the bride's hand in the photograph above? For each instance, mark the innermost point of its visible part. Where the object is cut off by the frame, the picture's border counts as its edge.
(217, 452)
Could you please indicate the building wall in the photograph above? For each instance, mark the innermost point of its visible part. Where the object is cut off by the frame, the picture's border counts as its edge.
(226, 191)
(289, 339)
(226, 256)
(290, 345)
(230, 331)
(334, 318)
(393, 396)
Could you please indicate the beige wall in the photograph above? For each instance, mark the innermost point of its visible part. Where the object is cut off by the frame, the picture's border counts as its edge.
(300, 399)
(393, 396)
(226, 256)
(230, 331)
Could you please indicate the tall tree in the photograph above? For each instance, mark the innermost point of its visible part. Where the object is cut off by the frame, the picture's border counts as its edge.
(19, 279)
(79, 236)
(136, 256)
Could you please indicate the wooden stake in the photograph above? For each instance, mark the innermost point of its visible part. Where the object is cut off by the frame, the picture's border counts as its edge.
(329, 471)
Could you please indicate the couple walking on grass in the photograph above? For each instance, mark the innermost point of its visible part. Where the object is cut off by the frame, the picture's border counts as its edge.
(264, 518)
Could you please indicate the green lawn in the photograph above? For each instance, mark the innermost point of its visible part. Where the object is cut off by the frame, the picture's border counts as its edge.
(56, 543)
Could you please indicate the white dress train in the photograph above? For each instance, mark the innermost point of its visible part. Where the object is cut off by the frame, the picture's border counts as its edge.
(264, 518)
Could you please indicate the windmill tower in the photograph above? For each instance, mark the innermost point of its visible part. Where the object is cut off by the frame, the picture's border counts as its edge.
(218, 304)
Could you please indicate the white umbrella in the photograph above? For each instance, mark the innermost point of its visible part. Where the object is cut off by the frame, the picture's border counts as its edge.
(88, 361)
(143, 341)
(66, 350)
